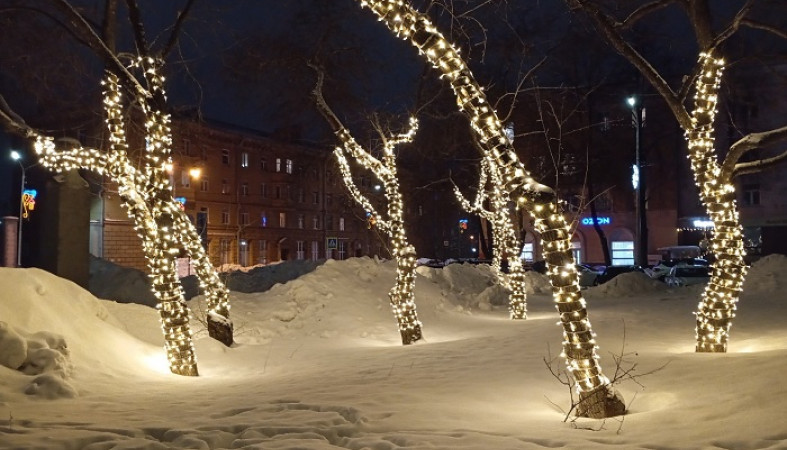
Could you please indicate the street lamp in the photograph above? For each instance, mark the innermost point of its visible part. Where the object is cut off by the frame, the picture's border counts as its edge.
(16, 156)
(638, 181)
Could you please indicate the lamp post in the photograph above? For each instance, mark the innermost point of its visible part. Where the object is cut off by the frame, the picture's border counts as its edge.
(638, 181)
(16, 156)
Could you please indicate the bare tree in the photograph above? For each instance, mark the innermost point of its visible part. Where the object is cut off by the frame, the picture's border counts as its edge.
(145, 191)
(402, 295)
(579, 346)
(713, 174)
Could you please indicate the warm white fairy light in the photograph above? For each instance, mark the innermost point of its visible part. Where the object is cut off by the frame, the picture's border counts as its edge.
(506, 244)
(161, 224)
(579, 347)
(402, 296)
(717, 307)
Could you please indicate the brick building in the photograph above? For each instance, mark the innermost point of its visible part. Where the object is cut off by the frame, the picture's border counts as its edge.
(258, 200)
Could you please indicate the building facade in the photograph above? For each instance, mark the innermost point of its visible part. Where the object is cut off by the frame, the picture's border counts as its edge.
(254, 199)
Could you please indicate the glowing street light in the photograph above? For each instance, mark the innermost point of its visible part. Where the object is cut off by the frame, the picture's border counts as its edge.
(16, 156)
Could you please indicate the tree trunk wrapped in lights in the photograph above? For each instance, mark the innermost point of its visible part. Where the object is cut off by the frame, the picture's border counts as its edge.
(717, 306)
(506, 245)
(402, 295)
(597, 398)
(158, 219)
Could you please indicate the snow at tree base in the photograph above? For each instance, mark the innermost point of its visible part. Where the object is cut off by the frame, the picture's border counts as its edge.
(318, 364)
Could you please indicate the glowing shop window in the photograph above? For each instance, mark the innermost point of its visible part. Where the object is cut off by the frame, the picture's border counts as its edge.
(576, 250)
(622, 253)
(527, 252)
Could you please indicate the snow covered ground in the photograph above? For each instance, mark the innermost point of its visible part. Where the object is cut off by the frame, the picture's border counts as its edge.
(318, 365)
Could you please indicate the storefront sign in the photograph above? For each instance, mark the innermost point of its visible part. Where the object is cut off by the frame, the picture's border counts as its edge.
(599, 220)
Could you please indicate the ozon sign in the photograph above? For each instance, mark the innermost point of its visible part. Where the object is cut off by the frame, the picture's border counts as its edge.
(599, 220)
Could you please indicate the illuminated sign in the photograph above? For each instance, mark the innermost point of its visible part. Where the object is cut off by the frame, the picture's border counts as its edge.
(635, 176)
(28, 201)
(699, 223)
(599, 220)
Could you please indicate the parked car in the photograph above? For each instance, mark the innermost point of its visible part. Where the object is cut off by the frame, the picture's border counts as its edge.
(662, 269)
(613, 271)
(687, 275)
(588, 275)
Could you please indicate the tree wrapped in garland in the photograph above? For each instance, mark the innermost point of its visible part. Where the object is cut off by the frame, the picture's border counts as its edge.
(402, 295)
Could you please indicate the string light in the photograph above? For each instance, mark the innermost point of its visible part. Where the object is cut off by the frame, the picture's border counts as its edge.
(402, 296)
(506, 245)
(597, 399)
(718, 302)
(158, 219)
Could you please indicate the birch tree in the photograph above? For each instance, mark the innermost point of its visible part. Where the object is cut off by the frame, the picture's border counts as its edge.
(402, 295)
(597, 397)
(714, 170)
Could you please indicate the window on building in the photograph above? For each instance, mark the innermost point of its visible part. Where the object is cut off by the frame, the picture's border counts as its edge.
(185, 178)
(315, 250)
(225, 186)
(203, 184)
(187, 147)
(262, 251)
(225, 157)
(225, 217)
(244, 218)
(341, 223)
(264, 190)
(244, 189)
(527, 252)
(316, 223)
(751, 195)
(329, 222)
(224, 251)
(301, 195)
(420, 210)
(289, 166)
(244, 159)
(278, 164)
(204, 210)
(300, 253)
(282, 220)
(264, 219)
(300, 221)
(342, 247)
(263, 164)
(315, 197)
(622, 253)
(278, 192)
(576, 250)
(328, 199)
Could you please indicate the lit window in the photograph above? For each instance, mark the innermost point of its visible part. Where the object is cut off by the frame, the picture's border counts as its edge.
(289, 166)
(341, 223)
(282, 220)
(262, 258)
(278, 164)
(576, 250)
(264, 219)
(527, 252)
(622, 253)
(244, 159)
(225, 187)
(300, 221)
(225, 157)
(301, 252)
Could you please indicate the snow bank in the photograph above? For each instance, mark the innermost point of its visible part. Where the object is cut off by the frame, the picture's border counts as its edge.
(767, 275)
(629, 283)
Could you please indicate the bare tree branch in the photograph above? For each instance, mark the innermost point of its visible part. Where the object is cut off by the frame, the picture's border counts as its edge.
(643, 11)
(761, 26)
(731, 168)
(173, 37)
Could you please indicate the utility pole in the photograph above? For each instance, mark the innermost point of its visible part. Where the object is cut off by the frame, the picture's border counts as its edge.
(639, 182)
